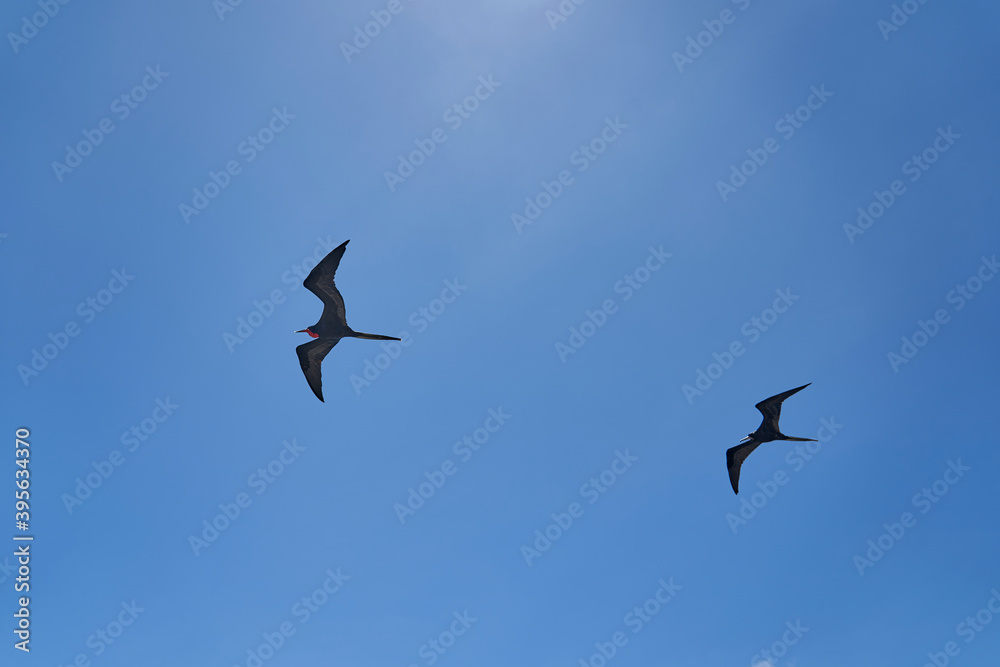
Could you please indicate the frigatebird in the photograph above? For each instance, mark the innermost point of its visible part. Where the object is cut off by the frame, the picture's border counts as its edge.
(766, 432)
(332, 325)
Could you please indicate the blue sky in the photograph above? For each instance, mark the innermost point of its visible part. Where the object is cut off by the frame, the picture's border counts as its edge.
(289, 136)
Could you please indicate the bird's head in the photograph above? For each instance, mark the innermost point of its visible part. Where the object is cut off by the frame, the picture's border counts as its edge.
(306, 330)
(748, 438)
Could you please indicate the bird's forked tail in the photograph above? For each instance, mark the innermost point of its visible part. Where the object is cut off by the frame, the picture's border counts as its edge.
(368, 336)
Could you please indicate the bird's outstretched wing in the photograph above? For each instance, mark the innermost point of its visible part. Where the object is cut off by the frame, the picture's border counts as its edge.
(735, 456)
(771, 407)
(311, 358)
(320, 282)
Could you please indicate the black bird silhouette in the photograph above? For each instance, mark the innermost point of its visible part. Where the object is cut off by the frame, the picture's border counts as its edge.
(766, 432)
(332, 325)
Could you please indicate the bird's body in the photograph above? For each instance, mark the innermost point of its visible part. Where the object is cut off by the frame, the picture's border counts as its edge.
(332, 325)
(766, 432)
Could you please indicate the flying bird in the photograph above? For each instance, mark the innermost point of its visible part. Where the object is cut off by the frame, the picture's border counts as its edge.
(766, 432)
(332, 325)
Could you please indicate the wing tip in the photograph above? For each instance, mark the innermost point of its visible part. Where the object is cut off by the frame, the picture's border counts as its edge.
(734, 479)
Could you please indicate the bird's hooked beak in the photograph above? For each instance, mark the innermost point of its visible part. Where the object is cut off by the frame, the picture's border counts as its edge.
(746, 439)
(300, 331)
(308, 332)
